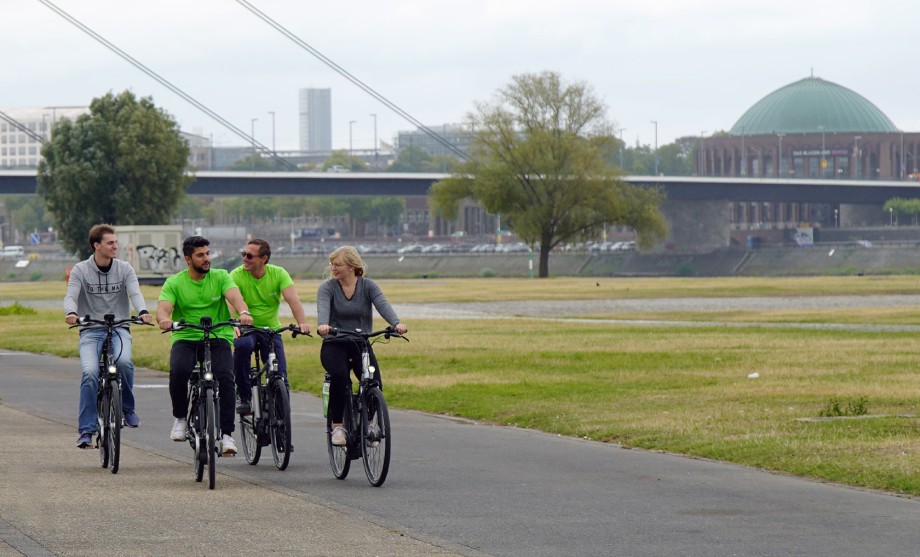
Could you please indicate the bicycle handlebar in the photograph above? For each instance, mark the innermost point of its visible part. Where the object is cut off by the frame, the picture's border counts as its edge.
(108, 320)
(387, 333)
(208, 328)
(295, 330)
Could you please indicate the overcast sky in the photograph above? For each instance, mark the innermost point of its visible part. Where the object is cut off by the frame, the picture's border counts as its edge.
(692, 66)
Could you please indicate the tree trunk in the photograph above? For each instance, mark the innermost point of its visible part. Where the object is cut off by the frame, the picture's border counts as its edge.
(544, 260)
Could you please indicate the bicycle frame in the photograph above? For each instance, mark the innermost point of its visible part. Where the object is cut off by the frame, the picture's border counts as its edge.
(366, 418)
(269, 422)
(203, 400)
(109, 416)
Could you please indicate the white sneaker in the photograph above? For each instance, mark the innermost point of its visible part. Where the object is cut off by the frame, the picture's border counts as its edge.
(338, 437)
(178, 430)
(228, 445)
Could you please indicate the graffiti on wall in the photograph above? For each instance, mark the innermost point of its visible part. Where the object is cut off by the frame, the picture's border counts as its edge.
(154, 259)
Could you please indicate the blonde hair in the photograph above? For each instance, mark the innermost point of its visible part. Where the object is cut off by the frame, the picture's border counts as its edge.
(350, 257)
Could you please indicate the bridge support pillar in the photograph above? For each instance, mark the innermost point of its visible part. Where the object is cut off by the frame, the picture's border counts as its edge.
(699, 226)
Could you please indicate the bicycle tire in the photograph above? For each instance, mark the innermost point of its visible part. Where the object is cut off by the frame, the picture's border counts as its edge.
(102, 412)
(199, 458)
(113, 424)
(280, 425)
(249, 437)
(211, 404)
(376, 437)
(339, 458)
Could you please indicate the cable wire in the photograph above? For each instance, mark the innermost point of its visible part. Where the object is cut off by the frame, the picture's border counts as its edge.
(162, 81)
(347, 75)
(21, 127)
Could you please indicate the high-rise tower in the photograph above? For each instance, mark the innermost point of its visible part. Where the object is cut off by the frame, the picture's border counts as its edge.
(315, 119)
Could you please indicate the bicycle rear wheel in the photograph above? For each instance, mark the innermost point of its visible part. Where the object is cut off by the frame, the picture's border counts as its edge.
(113, 425)
(338, 455)
(211, 427)
(249, 436)
(280, 429)
(102, 439)
(375, 437)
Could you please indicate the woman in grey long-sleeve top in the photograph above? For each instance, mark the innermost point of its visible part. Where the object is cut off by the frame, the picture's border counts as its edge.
(346, 301)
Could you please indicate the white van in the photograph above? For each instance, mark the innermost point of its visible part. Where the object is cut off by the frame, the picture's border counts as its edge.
(12, 252)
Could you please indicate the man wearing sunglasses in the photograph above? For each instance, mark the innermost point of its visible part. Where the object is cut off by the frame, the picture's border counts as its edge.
(262, 286)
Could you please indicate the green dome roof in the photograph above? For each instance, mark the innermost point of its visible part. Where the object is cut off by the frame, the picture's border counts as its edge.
(810, 104)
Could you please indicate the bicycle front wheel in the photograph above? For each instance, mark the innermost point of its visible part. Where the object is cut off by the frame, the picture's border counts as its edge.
(280, 420)
(102, 440)
(113, 426)
(376, 437)
(211, 428)
(195, 432)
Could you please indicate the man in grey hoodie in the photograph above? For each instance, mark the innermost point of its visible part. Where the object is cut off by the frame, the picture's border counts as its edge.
(100, 285)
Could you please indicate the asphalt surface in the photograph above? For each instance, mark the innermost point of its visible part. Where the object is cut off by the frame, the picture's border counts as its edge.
(455, 488)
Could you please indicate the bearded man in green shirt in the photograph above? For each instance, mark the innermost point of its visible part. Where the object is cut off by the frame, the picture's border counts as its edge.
(263, 286)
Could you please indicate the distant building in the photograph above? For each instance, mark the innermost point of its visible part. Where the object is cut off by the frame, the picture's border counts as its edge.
(315, 120)
(811, 128)
(453, 134)
(24, 130)
(200, 151)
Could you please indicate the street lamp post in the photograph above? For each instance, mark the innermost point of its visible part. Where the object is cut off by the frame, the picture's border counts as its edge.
(350, 126)
(891, 216)
(374, 116)
(702, 154)
(656, 146)
(743, 154)
(272, 112)
(252, 136)
(622, 146)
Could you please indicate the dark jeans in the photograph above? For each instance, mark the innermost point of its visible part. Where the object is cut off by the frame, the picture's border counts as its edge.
(338, 359)
(182, 360)
(243, 347)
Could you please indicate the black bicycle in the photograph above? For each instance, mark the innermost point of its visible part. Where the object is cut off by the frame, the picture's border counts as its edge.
(269, 423)
(366, 419)
(203, 416)
(110, 418)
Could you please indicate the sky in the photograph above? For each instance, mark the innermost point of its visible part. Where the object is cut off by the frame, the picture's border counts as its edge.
(692, 67)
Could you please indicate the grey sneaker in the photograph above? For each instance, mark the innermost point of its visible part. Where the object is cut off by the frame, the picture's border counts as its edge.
(132, 419)
(85, 441)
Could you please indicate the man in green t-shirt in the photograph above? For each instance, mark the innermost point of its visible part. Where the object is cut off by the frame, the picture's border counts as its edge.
(262, 286)
(192, 294)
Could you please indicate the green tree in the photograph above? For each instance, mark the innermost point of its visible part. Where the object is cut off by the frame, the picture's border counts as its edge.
(343, 159)
(123, 163)
(413, 158)
(258, 163)
(27, 214)
(538, 160)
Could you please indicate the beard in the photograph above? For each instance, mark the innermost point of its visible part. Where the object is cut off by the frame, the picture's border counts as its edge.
(203, 269)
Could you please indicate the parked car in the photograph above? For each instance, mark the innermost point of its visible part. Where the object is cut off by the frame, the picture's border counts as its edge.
(12, 252)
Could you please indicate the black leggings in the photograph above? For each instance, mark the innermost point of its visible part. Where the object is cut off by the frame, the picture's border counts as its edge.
(338, 359)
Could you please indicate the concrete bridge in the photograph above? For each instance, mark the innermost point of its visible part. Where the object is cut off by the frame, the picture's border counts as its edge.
(697, 208)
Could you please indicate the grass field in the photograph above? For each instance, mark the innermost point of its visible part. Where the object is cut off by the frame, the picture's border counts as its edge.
(830, 404)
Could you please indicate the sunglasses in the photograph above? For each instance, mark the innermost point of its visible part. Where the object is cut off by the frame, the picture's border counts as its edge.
(245, 255)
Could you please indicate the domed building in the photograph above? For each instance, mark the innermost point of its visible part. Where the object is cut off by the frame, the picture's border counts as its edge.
(811, 128)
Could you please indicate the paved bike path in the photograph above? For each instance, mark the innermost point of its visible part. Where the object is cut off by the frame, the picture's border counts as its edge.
(455, 488)
(56, 500)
